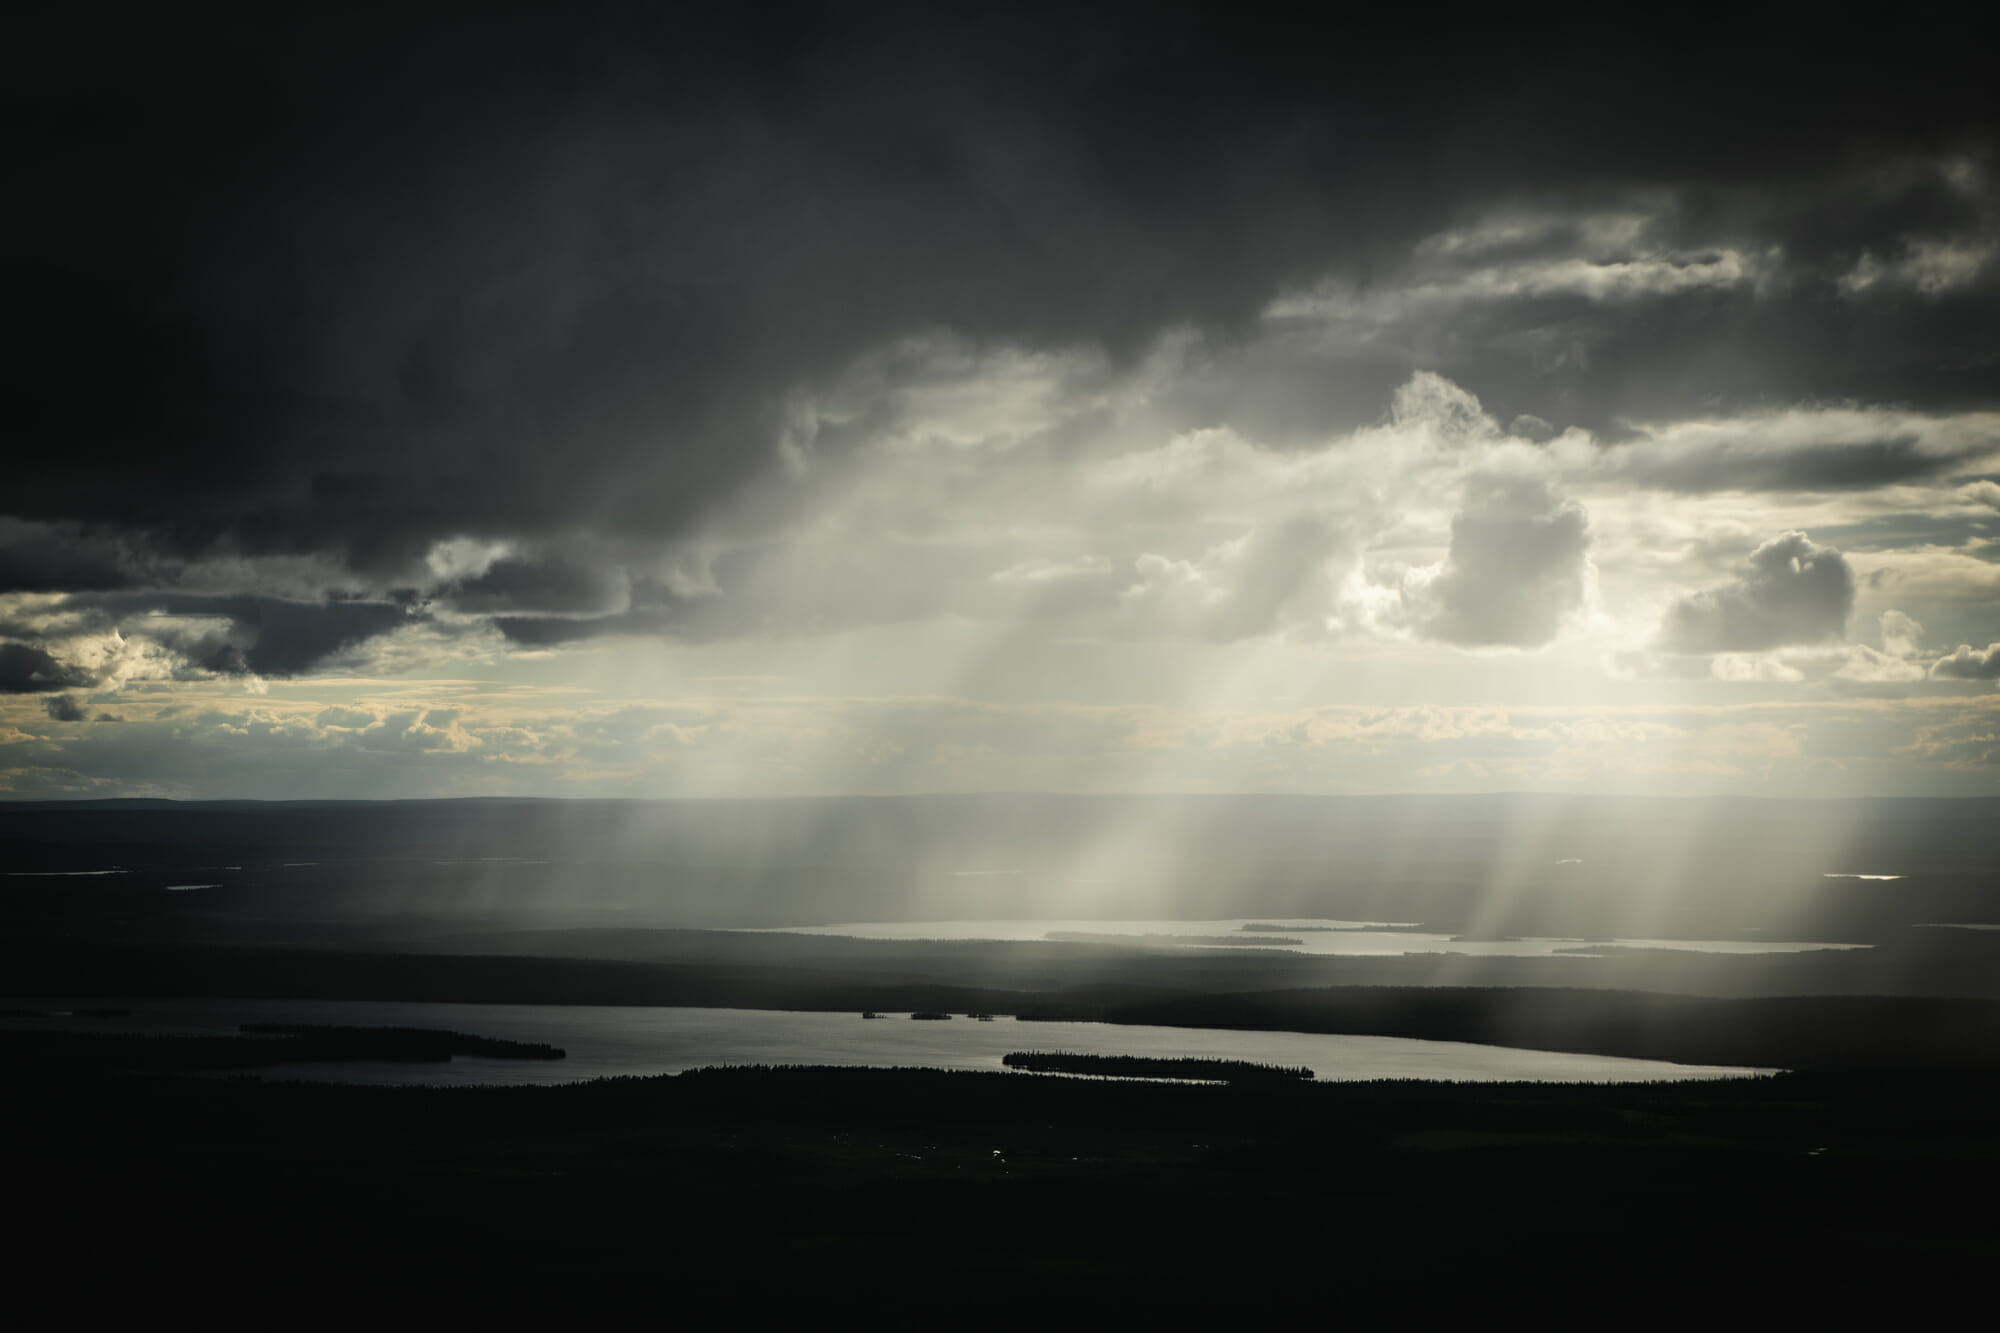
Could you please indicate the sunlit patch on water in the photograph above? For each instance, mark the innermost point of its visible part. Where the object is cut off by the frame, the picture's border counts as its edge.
(1352, 939)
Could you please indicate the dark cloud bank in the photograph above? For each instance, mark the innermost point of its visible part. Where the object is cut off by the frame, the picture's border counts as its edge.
(25, 669)
(335, 286)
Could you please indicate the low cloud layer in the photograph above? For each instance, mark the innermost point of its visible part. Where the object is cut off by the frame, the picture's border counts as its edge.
(413, 740)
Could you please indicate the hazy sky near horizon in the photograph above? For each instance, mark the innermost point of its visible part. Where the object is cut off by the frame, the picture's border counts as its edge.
(878, 398)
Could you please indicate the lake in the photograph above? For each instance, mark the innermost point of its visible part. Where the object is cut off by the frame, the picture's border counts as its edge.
(1291, 934)
(606, 1041)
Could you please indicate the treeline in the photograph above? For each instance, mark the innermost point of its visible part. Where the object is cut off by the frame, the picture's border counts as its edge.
(1145, 1066)
(259, 1045)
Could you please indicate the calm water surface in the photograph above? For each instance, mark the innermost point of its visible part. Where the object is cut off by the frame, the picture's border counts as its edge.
(1292, 934)
(605, 1041)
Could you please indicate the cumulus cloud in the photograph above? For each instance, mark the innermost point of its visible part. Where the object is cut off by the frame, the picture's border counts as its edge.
(1792, 591)
(1429, 402)
(1518, 566)
(553, 584)
(1753, 669)
(1901, 634)
(1279, 576)
(1969, 663)
(1876, 667)
(345, 719)
(1896, 661)
(63, 708)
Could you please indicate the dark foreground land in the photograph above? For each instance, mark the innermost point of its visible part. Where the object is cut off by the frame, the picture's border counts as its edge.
(1860, 1185)
(917, 1196)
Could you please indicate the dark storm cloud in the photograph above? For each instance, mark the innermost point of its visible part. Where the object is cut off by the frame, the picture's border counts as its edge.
(38, 557)
(554, 584)
(554, 631)
(545, 274)
(348, 284)
(1875, 278)
(1745, 350)
(268, 636)
(25, 669)
(1793, 591)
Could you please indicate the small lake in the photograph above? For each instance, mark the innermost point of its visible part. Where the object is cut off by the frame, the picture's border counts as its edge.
(1382, 939)
(606, 1041)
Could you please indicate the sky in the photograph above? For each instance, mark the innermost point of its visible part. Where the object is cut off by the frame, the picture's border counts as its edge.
(830, 399)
